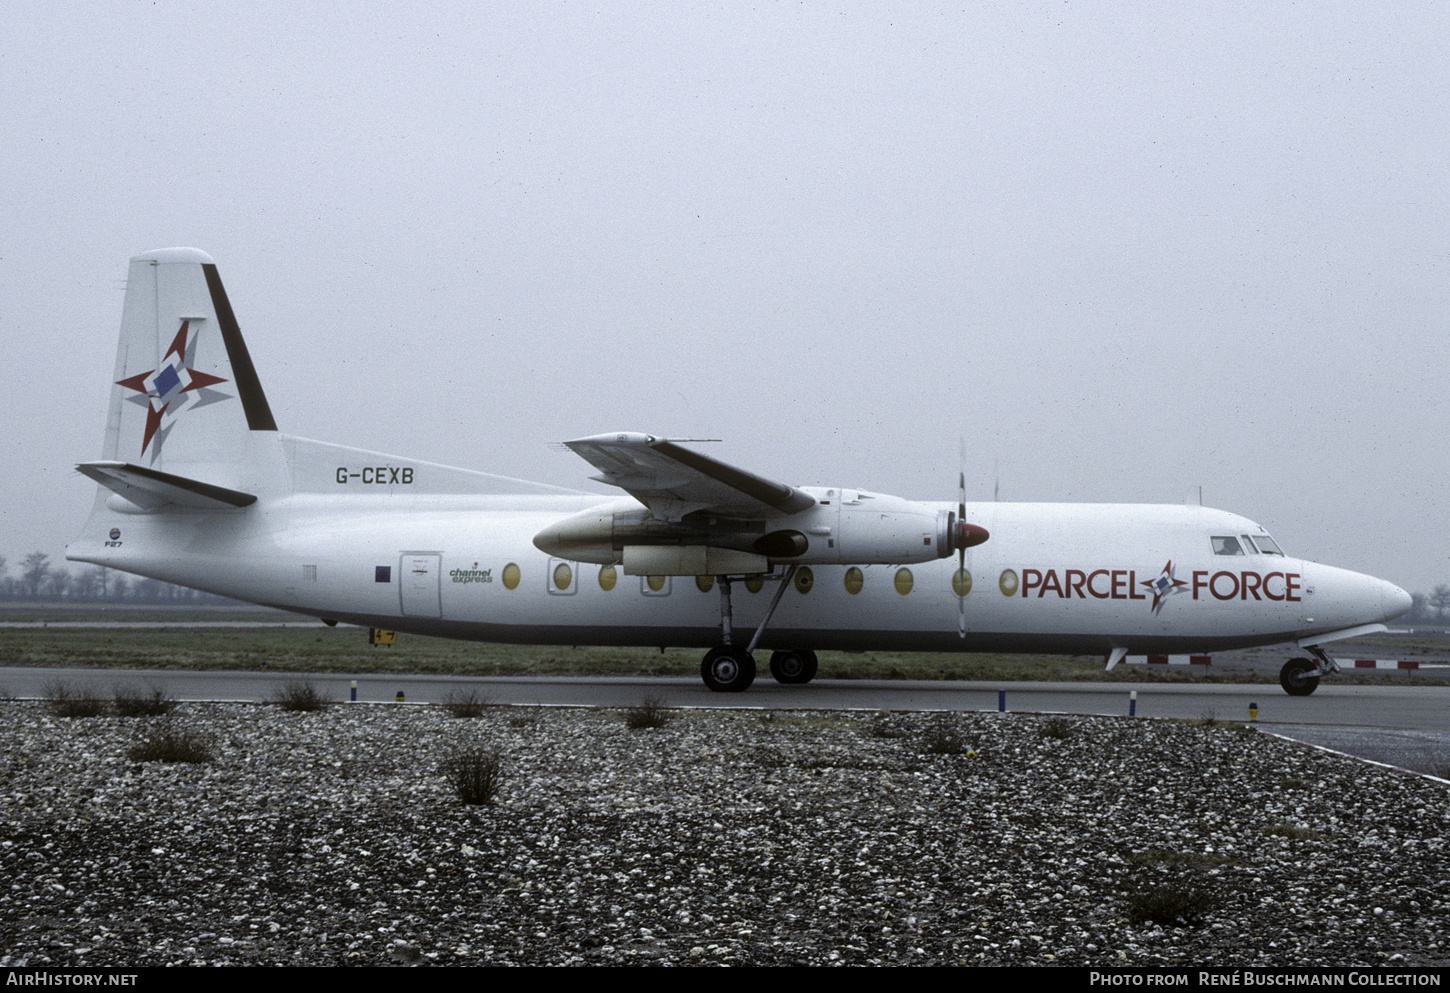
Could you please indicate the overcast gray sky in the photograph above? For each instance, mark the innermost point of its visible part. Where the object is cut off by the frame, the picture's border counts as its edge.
(1124, 249)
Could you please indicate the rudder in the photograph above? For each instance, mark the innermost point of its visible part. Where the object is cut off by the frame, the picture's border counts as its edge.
(185, 396)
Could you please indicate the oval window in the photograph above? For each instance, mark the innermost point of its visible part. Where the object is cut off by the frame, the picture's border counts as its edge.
(961, 582)
(804, 579)
(656, 583)
(607, 578)
(755, 583)
(1007, 582)
(903, 581)
(510, 577)
(705, 583)
(563, 576)
(854, 580)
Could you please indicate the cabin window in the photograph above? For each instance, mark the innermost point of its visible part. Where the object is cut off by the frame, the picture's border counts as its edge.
(755, 583)
(804, 579)
(655, 585)
(1226, 544)
(607, 578)
(704, 583)
(511, 576)
(903, 581)
(561, 578)
(961, 582)
(854, 580)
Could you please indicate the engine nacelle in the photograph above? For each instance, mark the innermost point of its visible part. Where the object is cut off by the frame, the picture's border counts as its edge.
(854, 527)
(843, 527)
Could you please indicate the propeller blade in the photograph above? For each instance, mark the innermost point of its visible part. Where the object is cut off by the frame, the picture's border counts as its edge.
(961, 553)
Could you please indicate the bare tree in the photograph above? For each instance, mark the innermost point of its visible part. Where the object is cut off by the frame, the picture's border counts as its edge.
(1419, 609)
(60, 582)
(1440, 600)
(89, 584)
(34, 569)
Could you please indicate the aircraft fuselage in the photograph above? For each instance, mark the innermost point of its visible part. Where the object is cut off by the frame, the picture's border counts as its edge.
(1056, 578)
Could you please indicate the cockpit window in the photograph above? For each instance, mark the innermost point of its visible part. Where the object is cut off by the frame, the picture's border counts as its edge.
(1266, 545)
(1226, 544)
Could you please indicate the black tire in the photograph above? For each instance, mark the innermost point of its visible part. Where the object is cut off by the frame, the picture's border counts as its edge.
(794, 667)
(728, 669)
(1296, 679)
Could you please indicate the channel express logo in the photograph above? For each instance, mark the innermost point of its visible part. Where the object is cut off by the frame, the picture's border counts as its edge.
(1124, 584)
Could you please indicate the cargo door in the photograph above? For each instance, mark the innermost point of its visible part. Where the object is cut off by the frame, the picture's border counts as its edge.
(420, 586)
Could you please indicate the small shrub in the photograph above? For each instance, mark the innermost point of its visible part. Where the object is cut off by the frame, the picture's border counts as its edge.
(1056, 727)
(475, 774)
(300, 696)
(884, 726)
(167, 743)
(131, 702)
(461, 704)
(65, 700)
(1180, 903)
(943, 739)
(650, 713)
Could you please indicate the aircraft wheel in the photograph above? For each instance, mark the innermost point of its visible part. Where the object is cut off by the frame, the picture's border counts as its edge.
(794, 667)
(1296, 679)
(728, 669)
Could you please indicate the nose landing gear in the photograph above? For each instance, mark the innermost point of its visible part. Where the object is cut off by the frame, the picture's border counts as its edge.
(1299, 677)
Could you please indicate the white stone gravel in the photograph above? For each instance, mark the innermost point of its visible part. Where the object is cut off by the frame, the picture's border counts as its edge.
(741, 838)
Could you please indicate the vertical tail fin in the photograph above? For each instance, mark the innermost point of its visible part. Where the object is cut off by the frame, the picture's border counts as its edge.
(185, 396)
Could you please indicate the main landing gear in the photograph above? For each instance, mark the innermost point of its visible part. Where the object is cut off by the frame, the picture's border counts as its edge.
(729, 668)
(1300, 677)
(793, 667)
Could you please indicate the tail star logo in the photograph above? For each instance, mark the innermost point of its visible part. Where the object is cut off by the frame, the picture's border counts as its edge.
(175, 387)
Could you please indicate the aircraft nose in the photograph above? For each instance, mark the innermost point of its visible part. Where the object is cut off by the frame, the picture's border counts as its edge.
(1352, 598)
(1396, 601)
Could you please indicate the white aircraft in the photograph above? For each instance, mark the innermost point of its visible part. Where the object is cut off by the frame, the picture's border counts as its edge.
(198, 487)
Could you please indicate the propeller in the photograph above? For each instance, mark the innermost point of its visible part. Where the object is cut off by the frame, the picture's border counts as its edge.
(960, 579)
(964, 536)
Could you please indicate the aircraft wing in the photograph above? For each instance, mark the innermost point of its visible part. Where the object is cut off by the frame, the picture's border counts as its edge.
(673, 481)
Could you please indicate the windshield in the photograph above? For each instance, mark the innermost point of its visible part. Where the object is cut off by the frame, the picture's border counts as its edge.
(1266, 545)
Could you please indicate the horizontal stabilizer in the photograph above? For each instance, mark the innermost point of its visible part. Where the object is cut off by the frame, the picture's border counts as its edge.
(151, 489)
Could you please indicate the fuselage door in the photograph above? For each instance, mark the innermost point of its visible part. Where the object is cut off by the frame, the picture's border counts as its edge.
(420, 585)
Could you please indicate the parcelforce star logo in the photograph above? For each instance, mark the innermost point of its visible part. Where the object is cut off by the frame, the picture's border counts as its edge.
(1164, 586)
(173, 388)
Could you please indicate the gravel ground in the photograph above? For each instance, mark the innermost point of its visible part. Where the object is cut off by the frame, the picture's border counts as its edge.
(739, 838)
